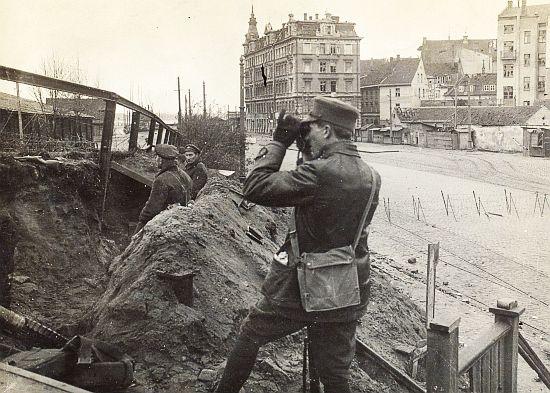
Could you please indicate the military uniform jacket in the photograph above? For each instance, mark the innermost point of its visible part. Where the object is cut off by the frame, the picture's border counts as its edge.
(171, 185)
(197, 173)
(329, 195)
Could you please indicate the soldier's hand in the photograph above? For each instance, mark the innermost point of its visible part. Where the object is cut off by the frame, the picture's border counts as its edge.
(287, 128)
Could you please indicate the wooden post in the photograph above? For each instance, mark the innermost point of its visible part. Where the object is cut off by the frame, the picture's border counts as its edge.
(134, 130)
(106, 145)
(507, 311)
(19, 117)
(433, 258)
(167, 136)
(159, 135)
(151, 134)
(442, 357)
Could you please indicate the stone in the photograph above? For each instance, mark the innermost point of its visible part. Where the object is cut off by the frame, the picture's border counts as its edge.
(19, 279)
(207, 375)
(411, 260)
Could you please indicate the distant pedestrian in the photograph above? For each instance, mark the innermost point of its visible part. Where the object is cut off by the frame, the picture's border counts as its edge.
(195, 168)
(171, 185)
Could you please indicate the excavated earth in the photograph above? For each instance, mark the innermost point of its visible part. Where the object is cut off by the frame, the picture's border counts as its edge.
(82, 278)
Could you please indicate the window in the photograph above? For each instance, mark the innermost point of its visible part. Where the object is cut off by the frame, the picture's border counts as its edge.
(508, 29)
(329, 29)
(461, 89)
(307, 47)
(348, 49)
(348, 86)
(472, 88)
(307, 85)
(307, 65)
(508, 46)
(542, 83)
(526, 59)
(526, 83)
(542, 59)
(542, 36)
(322, 66)
(332, 49)
(398, 92)
(323, 86)
(486, 87)
(348, 66)
(333, 67)
(508, 70)
(290, 87)
(526, 103)
(322, 48)
(333, 86)
(508, 92)
(527, 37)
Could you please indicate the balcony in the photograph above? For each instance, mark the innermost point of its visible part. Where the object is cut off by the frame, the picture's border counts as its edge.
(508, 54)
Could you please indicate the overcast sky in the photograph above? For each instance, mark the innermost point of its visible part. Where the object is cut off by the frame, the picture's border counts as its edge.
(137, 48)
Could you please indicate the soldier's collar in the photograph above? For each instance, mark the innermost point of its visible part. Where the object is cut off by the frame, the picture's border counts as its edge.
(341, 147)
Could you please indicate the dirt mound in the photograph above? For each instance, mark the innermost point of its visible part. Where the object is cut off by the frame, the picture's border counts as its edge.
(180, 347)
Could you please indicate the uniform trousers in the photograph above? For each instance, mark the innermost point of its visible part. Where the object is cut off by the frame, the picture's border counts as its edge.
(332, 347)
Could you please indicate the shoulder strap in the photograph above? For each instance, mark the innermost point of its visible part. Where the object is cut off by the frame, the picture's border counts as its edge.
(181, 185)
(367, 209)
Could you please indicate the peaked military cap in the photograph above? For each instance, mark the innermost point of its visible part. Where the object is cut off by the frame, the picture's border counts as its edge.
(167, 151)
(192, 148)
(333, 111)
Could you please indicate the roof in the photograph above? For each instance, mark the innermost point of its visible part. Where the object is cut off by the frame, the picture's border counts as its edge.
(402, 73)
(484, 116)
(441, 69)
(374, 71)
(530, 10)
(446, 51)
(9, 102)
(478, 81)
(83, 107)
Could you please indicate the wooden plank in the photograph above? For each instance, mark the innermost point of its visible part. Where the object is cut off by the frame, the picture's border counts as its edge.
(14, 379)
(486, 372)
(167, 136)
(433, 258)
(533, 360)
(105, 152)
(474, 351)
(399, 375)
(134, 130)
(475, 378)
(131, 173)
(493, 372)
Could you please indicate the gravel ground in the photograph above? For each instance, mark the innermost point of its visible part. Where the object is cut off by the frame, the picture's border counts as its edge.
(494, 253)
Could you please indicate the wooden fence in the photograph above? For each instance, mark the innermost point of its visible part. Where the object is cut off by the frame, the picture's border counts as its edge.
(490, 361)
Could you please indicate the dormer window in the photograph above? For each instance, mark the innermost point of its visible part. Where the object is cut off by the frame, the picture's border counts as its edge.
(329, 29)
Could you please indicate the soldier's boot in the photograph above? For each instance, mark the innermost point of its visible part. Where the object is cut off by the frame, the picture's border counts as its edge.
(239, 365)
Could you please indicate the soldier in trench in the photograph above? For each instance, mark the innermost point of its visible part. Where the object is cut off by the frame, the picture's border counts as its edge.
(171, 185)
(331, 192)
(195, 168)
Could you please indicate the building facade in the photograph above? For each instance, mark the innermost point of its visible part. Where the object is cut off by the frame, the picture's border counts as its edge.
(522, 54)
(286, 68)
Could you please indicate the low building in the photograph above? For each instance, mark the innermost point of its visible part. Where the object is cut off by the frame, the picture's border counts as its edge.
(536, 141)
(92, 107)
(40, 121)
(473, 90)
(499, 129)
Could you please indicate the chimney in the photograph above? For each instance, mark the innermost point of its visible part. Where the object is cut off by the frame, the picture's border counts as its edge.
(465, 39)
(398, 58)
(310, 17)
(305, 15)
(509, 4)
(523, 6)
(328, 15)
(291, 17)
(424, 41)
(316, 16)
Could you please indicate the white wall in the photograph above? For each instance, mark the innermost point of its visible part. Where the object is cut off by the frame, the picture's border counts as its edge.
(499, 138)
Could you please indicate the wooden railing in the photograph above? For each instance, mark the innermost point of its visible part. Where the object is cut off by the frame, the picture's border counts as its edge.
(171, 135)
(491, 360)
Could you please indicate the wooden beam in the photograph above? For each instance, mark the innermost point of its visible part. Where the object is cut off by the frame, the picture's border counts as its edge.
(105, 152)
(134, 131)
(167, 136)
(151, 134)
(442, 357)
(131, 173)
(433, 258)
(159, 135)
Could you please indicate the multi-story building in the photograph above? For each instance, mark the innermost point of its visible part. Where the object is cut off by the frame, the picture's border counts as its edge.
(523, 50)
(286, 68)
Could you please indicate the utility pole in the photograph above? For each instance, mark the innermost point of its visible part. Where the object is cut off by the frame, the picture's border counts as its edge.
(203, 100)
(190, 110)
(185, 96)
(391, 121)
(456, 87)
(19, 116)
(180, 127)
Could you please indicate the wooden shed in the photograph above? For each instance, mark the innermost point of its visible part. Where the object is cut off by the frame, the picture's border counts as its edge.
(536, 141)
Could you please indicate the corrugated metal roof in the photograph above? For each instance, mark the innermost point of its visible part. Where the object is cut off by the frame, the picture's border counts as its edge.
(484, 116)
